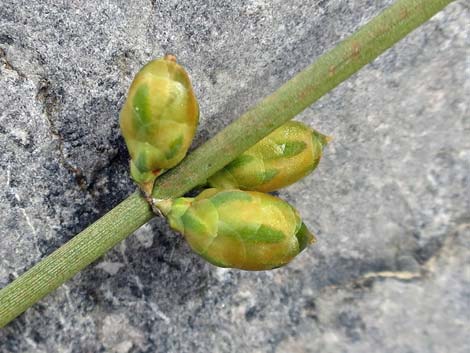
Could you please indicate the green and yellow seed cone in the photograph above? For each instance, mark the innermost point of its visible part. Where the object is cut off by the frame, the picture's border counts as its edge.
(283, 157)
(247, 230)
(158, 119)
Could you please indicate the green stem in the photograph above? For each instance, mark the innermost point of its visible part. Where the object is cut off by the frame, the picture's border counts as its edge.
(298, 93)
(294, 96)
(73, 256)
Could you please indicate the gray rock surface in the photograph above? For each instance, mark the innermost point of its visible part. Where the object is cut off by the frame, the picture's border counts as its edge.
(390, 201)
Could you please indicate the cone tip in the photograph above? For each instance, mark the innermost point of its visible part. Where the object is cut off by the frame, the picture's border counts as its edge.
(313, 239)
(170, 57)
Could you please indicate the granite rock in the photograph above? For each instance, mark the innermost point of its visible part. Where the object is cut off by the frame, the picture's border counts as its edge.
(389, 202)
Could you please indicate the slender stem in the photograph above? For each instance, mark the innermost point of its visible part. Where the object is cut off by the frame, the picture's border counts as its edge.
(73, 256)
(301, 91)
(294, 96)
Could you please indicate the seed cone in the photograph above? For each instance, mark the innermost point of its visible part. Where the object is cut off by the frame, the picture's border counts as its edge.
(283, 157)
(158, 120)
(247, 230)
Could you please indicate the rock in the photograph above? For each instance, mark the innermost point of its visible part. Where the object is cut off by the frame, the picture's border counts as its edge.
(389, 202)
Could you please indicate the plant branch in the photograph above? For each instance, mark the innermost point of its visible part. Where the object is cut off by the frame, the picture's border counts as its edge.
(290, 99)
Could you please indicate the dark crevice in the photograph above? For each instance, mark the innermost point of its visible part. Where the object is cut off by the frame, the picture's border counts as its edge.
(50, 101)
(366, 280)
(4, 61)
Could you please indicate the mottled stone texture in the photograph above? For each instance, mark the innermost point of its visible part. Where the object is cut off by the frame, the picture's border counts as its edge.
(389, 203)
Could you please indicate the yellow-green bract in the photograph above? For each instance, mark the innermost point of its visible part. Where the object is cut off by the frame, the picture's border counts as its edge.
(283, 157)
(158, 119)
(248, 230)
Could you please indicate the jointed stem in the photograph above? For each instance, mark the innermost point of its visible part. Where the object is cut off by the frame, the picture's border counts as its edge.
(290, 99)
